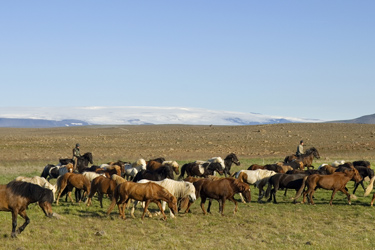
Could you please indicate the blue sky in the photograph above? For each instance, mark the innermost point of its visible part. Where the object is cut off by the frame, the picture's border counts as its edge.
(307, 59)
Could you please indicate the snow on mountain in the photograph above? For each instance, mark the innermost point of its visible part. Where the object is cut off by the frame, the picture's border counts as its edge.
(138, 115)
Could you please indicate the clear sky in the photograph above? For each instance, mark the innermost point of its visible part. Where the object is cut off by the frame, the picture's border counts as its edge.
(307, 59)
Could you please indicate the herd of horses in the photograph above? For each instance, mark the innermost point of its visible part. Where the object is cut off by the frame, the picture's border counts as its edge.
(154, 181)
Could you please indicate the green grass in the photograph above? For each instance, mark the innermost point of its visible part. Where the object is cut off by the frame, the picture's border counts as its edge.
(255, 226)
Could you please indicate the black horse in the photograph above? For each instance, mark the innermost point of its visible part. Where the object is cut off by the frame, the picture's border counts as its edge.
(200, 169)
(17, 195)
(155, 175)
(281, 181)
(231, 158)
(82, 162)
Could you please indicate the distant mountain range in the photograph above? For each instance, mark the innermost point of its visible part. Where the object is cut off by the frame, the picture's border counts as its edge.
(44, 117)
(366, 119)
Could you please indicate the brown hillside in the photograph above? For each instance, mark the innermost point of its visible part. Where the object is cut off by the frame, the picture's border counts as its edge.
(182, 142)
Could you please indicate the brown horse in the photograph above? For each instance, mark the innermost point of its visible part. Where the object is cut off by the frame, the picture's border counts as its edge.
(222, 190)
(70, 180)
(17, 195)
(153, 165)
(335, 182)
(147, 192)
(306, 158)
(102, 185)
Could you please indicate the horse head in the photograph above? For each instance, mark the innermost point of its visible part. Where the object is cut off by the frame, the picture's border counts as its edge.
(315, 152)
(172, 204)
(88, 157)
(232, 157)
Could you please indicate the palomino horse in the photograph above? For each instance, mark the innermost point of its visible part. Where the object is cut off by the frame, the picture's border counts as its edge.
(102, 185)
(306, 158)
(221, 190)
(179, 189)
(69, 181)
(335, 182)
(253, 177)
(17, 195)
(147, 192)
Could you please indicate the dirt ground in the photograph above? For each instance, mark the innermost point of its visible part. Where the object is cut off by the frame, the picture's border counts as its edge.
(184, 142)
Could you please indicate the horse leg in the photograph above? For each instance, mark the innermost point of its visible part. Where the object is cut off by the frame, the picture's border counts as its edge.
(209, 205)
(100, 197)
(145, 209)
(242, 199)
(221, 206)
(14, 223)
(27, 221)
(347, 194)
(121, 207)
(133, 208)
(161, 209)
(203, 200)
(372, 200)
(355, 186)
(333, 194)
(235, 203)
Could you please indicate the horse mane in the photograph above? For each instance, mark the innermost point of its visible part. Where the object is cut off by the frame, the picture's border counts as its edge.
(139, 162)
(31, 191)
(118, 179)
(170, 163)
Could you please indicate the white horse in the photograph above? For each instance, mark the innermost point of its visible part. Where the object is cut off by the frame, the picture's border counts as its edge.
(131, 170)
(179, 189)
(41, 181)
(253, 177)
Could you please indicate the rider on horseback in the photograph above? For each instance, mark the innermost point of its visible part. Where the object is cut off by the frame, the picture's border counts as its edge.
(76, 154)
(300, 149)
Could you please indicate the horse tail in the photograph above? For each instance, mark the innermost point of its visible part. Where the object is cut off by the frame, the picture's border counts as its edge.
(183, 169)
(298, 194)
(370, 186)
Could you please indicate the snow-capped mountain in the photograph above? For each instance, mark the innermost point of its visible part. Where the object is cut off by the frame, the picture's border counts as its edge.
(78, 116)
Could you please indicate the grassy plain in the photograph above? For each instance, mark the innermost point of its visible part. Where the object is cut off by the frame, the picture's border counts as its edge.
(255, 226)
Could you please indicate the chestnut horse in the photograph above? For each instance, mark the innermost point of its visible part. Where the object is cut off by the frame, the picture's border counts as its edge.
(221, 190)
(335, 182)
(17, 195)
(147, 192)
(70, 180)
(102, 185)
